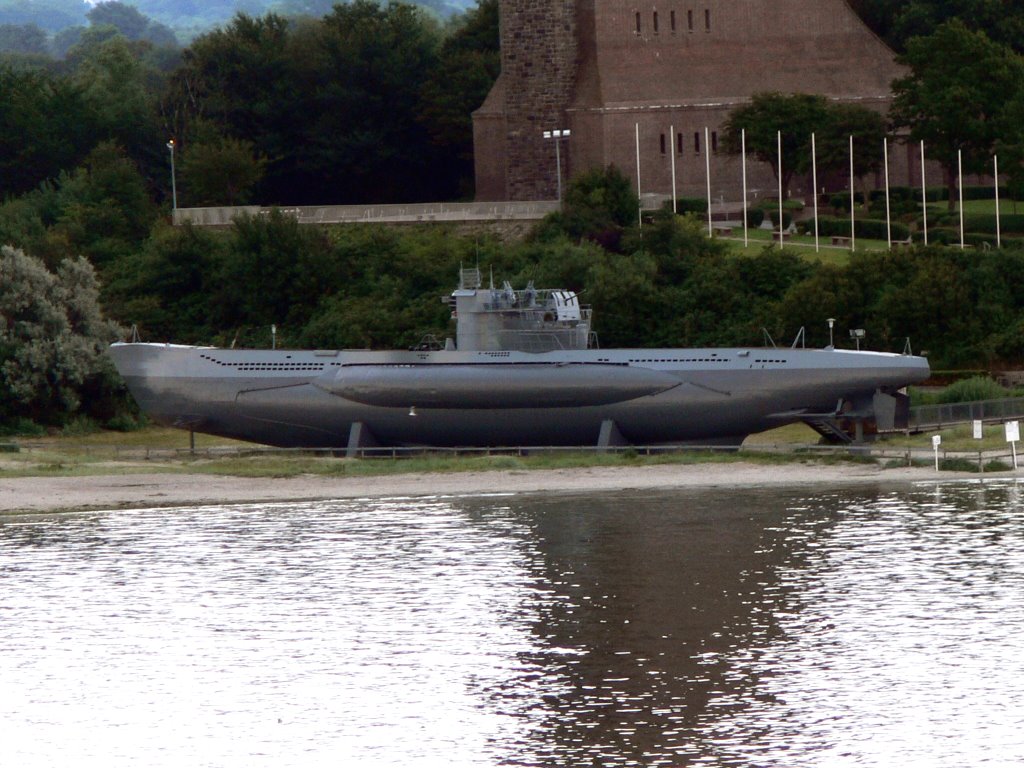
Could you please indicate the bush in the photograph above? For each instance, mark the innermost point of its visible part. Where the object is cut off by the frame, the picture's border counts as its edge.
(692, 205)
(986, 223)
(21, 427)
(874, 229)
(124, 422)
(841, 201)
(79, 426)
(969, 390)
(755, 217)
(773, 214)
(997, 466)
(943, 236)
(957, 465)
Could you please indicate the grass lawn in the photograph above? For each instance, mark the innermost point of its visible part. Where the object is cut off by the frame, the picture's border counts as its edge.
(104, 453)
(801, 244)
(1006, 207)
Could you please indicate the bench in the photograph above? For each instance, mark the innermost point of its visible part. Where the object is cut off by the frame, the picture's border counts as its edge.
(783, 236)
(722, 230)
(840, 240)
(903, 243)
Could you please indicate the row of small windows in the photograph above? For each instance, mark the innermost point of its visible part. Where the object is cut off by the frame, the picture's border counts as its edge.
(697, 139)
(266, 366)
(681, 360)
(691, 21)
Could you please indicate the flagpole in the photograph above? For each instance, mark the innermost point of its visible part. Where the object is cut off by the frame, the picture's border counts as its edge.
(888, 211)
(999, 229)
(924, 197)
(743, 142)
(640, 204)
(853, 203)
(814, 175)
(707, 175)
(782, 236)
(672, 146)
(960, 184)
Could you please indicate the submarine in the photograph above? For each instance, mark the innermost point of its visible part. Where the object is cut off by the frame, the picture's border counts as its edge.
(523, 370)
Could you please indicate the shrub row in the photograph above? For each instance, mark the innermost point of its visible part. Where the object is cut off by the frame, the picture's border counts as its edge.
(912, 196)
(873, 229)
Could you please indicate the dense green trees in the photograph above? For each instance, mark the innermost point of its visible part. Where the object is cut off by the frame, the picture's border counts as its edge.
(898, 21)
(52, 341)
(370, 103)
(45, 127)
(345, 109)
(958, 84)
(797, 116)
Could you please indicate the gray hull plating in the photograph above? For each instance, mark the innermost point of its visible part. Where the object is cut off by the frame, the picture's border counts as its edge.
(502, 398)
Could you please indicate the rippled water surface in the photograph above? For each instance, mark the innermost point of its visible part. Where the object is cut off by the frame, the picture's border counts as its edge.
(754, 628)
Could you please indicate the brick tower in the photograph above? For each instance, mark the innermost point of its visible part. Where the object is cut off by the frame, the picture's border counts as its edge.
(538, 72)
(673, 67)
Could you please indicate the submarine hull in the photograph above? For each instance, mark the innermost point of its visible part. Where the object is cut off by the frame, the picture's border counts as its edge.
(334, 399)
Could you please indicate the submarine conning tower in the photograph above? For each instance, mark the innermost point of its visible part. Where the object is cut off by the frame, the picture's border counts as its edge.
(505, 320)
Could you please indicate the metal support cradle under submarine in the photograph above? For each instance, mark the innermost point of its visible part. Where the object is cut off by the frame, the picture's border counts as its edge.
(522, 371)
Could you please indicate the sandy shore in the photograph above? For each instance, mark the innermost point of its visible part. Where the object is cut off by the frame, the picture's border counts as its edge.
(149, 490)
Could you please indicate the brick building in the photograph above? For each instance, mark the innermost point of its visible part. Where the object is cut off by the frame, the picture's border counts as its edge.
(600, 67)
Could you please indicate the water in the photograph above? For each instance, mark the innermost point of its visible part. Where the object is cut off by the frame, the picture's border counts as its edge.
(750, 628)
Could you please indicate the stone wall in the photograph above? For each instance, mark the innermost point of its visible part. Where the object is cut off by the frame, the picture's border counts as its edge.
(538, 64)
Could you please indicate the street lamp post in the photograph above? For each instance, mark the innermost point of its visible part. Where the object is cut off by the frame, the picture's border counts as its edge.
(174, 187)
(557, 136)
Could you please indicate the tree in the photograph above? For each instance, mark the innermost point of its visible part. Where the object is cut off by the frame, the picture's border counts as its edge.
(468, 64)
(951, 100)
(127, 20)
(599, 205)
(240, 79)
(869, 131)
(898, 21)
(366, 77)
(796, 115)
(104, 209)
(119, 87)
(50, 15)
(53, 339)
(1010, 147)
(46, 125)
(332, 104)
(220, 171)
(27, 39)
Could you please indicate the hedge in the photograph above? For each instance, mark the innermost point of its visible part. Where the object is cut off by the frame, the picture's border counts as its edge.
(912, 195)
(986, 222)
(872, 229)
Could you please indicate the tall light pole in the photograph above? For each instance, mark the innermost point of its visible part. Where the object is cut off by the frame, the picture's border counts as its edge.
(174, 187)
(557, 136)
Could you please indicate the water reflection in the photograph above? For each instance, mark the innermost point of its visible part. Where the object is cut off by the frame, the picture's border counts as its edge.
(741, 629)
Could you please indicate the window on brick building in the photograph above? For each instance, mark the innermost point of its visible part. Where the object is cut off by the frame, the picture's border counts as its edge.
(655, 28)
(696, 142)
(638, 22)
(707, 19)
(663, 146)
(672, 21)
(714, 141)
(679, 143)
(689, 20)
